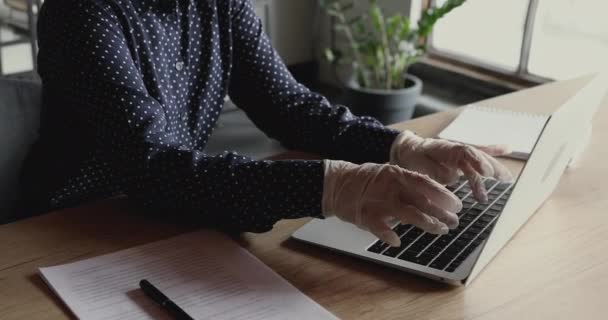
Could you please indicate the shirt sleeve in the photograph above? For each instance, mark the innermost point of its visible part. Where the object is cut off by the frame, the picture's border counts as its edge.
(89, 64)
(286, 110)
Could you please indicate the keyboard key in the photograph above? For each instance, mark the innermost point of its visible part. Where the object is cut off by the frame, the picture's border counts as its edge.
(492, 197)
(451, 268)
(456, 247)
(468, 236)
(468, 208)
(458, 230)
(464, 188)
(492, 212)
(484, 235)
(489, 183)
(495, 192)
(475, 211)
(474, 230)
(394, 251)
(496, 206)
(453, 250)
(378, 247)
(440, 262)
(406, 240)
(453, 187)
(491, 226)
(443, 241)
(468, 200)
(426, 239)
(458, 260)
(475, 243)
(457, 253)
(467, 205)
(460, 243)
(401, 229)
(413, 234)
(462, 193)
(481, 221)
(469, 250)
(434, 249)
(466, 219)
(486, 218)
(422, 259)
(502, 186)
(416, 248)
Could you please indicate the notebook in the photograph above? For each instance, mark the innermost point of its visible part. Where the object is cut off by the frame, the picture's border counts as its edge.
(206, 273)
(480, 126)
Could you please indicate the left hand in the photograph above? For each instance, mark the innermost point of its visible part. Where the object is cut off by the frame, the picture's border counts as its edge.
(444, 161)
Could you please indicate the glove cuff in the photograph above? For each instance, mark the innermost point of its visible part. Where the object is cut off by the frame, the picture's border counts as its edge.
(334, 170)
(401, 139)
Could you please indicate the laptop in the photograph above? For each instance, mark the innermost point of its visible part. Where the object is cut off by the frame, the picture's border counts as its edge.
(484, 229)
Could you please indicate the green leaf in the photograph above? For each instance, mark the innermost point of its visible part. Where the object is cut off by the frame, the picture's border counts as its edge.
(334, 13)
(354, 20)
(377, 18)
(405, 29)
(380, 56)
(393, 25)
(348, 6)
(330, 56)
(432, 15)
(360, 31)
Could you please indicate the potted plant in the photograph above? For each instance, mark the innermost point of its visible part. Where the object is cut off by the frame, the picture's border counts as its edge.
(380, 50)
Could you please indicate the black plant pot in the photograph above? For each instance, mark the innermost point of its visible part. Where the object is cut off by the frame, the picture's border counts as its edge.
(388, 106)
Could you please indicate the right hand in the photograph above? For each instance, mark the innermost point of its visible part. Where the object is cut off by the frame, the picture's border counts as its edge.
(373, 196)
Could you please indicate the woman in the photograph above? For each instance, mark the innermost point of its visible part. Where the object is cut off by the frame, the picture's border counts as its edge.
(133, 89)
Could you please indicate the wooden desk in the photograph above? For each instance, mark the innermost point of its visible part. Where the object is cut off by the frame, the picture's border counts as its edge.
(555, 268)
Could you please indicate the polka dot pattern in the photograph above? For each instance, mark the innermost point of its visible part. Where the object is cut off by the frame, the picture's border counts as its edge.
(132, 92)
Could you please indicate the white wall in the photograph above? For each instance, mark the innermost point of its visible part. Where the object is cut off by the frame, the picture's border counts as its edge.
(292, 29)
(3, 10)
(20, 17)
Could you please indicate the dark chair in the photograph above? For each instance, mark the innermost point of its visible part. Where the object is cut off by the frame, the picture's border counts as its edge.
(20, 102)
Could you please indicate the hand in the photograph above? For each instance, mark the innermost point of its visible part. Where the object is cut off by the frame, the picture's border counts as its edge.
(373, 196)
(445, 161)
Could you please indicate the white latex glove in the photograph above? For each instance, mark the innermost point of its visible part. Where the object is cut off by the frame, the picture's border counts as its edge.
(373, 196)
(444, 161)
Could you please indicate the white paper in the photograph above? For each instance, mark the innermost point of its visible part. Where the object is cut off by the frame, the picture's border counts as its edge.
(480, 126)
(205, 273)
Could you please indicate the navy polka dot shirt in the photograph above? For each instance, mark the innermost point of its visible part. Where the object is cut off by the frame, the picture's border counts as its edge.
(133, 89)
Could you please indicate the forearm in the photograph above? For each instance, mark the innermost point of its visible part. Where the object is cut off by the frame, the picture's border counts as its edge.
(361, 142)
(228, 190)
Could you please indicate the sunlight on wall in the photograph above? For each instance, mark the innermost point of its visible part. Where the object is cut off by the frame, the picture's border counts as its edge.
(570, 38)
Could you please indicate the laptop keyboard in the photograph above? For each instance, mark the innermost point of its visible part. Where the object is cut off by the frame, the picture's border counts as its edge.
(447, 252)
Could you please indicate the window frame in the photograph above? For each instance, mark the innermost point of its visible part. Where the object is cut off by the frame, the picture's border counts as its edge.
(480, 69)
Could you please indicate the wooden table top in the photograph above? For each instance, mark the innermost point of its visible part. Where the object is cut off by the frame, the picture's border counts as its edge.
(556, 267)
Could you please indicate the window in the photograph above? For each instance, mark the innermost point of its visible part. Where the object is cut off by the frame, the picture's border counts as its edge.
(533, 39)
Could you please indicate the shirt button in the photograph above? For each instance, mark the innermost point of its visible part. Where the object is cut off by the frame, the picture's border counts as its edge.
(179, 66)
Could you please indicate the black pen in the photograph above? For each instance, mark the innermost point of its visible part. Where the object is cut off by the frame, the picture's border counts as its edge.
(158, 297)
